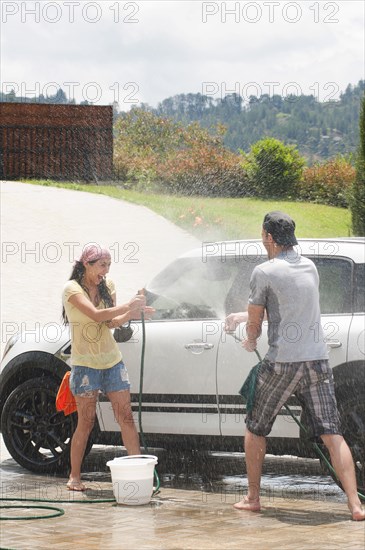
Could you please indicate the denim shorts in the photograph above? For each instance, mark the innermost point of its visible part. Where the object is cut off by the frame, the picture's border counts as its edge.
(84, 380)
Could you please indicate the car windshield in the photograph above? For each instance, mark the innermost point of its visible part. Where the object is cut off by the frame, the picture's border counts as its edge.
(190, 288)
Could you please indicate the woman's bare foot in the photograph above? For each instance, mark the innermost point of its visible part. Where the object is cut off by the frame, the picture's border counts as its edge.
(358, 513)
(75, 485)
(248, 505)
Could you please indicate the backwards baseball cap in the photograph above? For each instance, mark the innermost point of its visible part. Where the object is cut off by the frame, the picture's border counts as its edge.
(281, 227)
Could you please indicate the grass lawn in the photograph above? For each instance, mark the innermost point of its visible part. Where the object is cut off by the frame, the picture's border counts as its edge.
(226, 218)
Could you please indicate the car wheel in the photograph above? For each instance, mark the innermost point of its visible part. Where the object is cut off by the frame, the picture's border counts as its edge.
(36, 435)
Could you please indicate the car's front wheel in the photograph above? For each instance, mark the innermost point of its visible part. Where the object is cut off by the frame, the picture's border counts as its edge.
(35, 434)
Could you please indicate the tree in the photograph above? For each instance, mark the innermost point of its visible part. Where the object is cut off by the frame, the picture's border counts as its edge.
(150, 150)
(251, 119)
(357, 200)
(273, 168)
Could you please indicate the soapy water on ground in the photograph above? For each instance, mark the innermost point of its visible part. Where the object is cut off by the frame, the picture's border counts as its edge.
(221, 473)
(225, 474)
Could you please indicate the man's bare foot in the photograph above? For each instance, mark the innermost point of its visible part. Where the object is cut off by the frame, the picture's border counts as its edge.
(75, 485)
(248, 504)
(358, 513)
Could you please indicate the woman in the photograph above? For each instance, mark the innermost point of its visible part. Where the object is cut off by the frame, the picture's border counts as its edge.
(89, 306)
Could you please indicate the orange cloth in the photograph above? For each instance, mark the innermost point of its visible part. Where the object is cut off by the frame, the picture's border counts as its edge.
(65, 400)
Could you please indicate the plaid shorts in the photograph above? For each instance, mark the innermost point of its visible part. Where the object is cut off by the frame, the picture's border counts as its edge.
(310, 381)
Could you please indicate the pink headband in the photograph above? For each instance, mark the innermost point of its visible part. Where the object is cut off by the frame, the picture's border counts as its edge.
(94, 252)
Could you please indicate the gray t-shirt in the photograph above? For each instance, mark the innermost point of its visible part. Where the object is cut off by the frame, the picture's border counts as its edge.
(287, 287)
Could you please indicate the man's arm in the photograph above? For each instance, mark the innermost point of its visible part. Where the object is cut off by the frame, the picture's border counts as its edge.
(253, 326)
(234, 319)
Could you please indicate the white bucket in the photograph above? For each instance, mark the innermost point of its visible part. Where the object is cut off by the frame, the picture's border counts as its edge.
(132, 478)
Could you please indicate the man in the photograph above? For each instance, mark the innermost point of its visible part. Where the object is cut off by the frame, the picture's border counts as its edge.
(285, 289)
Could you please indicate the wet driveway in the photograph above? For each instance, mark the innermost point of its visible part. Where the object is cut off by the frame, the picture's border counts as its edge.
(303, 509)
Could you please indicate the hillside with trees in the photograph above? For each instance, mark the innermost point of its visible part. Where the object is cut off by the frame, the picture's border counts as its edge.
(319, 130)
(186, 147)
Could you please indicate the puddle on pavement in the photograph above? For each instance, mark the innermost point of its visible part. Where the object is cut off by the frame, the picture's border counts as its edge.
(224, 473)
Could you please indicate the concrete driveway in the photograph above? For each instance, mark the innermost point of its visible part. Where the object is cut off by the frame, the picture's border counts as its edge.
(43, 229)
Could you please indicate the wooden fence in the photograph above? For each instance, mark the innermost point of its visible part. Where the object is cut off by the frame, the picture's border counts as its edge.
(64, 142)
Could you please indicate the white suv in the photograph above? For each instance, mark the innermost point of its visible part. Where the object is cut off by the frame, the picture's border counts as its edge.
(193, 369)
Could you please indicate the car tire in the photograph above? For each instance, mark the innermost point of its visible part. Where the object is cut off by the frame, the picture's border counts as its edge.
(36, 435)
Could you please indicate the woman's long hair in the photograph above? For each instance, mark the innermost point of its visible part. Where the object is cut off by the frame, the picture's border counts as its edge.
(77, 275)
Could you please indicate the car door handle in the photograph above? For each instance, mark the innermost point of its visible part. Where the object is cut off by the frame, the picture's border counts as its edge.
(199, 346)
(333, 343)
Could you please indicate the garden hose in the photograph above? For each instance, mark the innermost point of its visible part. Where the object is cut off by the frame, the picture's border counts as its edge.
(141, 433)
(59, 511)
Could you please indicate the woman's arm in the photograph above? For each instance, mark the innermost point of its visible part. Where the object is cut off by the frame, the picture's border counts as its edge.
(133, 313)
(127, 311)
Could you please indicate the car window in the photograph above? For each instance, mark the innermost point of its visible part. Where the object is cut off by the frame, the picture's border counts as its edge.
(190, 288)
(237, 297)
(335, 284)
(359, 288)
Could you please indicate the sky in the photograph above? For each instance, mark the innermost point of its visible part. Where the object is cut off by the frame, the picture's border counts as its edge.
(148, 50)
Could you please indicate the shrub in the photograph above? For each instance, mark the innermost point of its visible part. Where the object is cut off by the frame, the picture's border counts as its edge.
(150, 150)
(141, 140)
(273, 168)
(328, 183)
(134, 170)
(204, 170)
